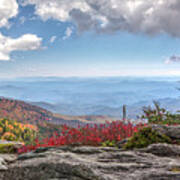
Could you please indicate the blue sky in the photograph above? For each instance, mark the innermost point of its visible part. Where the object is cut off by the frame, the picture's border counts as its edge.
(42, 39)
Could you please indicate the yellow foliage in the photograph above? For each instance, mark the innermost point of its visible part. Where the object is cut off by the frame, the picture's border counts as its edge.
(14, 131)
(1, 130)
(7, 148)
(8, 136)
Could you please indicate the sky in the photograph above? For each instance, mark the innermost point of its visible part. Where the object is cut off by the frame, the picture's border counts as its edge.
(89, 38)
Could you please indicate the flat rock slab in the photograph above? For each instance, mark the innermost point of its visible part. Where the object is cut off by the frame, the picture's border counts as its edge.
(91, 163)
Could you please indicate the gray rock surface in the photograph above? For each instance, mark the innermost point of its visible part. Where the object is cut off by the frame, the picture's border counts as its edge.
(91, 163)
(5, 159)
(170, 131)
(163, 150)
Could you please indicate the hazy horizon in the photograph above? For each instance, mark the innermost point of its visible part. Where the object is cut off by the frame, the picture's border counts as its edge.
(93, 77)
(93, 96)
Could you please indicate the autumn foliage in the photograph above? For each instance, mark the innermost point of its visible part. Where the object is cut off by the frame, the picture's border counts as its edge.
(89, 135)
(14, 131)
(23, 112)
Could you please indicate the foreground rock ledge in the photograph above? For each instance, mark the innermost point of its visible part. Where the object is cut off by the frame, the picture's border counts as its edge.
(91, 163)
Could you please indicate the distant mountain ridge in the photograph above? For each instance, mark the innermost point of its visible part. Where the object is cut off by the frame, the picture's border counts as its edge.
(171, 104)
(80, 96)
(23, 112)
(27, 113)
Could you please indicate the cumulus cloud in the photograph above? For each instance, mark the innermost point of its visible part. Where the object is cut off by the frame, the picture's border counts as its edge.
(8, 9)
(23, 43)
(145, 16)
(52, 39)
(173, 59)
(68, 33)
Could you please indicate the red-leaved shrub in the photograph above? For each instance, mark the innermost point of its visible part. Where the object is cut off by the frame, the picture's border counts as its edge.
(88, 135)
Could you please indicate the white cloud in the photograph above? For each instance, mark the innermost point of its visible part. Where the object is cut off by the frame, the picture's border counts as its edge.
(146, 16)
(24, 43)
(8, 9)
(52, 39)
(173, 59)
(68, 33)
(57, 9)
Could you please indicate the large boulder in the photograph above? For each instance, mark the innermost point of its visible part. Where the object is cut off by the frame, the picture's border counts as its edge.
(171, 131)
(163, 150)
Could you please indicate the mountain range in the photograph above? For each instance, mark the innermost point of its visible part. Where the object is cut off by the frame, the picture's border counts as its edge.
(171, 104)
(32, 114)
(102, 96)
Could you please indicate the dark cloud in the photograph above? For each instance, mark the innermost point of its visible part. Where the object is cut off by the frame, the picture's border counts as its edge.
(135, 16)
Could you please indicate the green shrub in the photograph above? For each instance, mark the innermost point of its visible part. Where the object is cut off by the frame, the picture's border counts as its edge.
(7, 148)
(109, 144)
(13, 131)
(145, 137)
(158, 115)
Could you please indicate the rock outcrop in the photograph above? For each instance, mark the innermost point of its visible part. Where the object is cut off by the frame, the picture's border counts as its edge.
(91, 163)
(156, 162)
(171, 131)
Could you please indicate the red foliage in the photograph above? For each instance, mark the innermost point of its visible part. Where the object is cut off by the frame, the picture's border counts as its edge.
(88, 135)
(23, 112)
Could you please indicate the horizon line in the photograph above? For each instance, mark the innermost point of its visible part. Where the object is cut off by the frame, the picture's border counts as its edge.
(99, 76)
